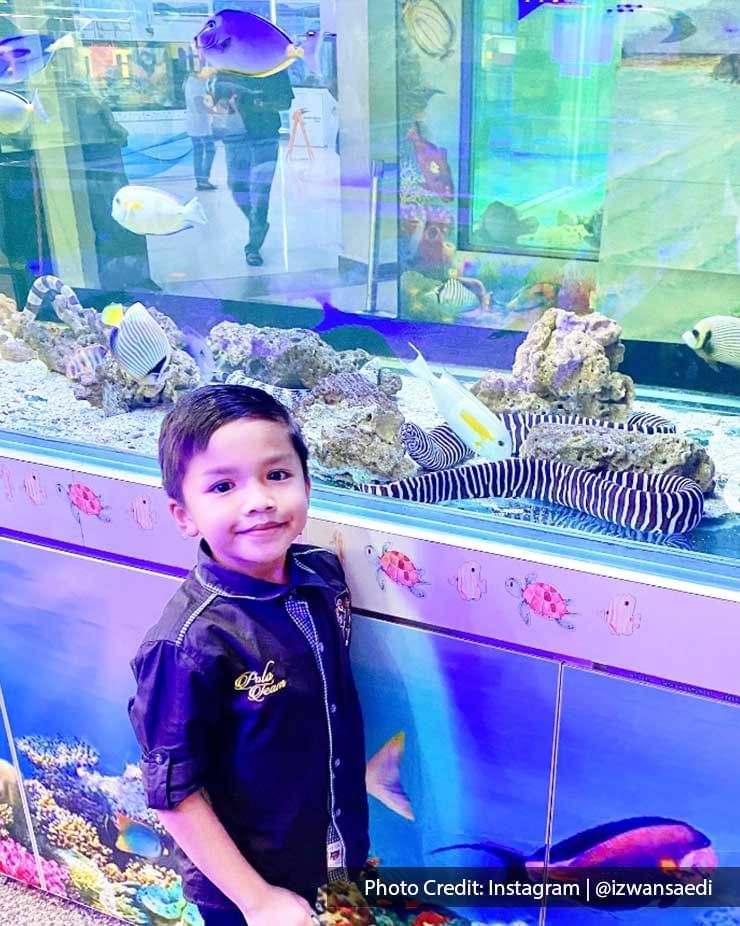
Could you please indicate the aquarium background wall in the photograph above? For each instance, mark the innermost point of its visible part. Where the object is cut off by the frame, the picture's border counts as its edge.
(478, 727)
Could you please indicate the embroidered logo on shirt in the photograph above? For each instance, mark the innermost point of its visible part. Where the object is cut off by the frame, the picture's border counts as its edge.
(343, 604)
(258, 685)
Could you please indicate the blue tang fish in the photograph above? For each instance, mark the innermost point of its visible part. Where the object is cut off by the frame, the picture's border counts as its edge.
(22, 56)
(658, 844)
(233, 40)
(138, 838)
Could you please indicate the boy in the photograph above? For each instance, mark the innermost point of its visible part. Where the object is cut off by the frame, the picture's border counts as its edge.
(246, 710)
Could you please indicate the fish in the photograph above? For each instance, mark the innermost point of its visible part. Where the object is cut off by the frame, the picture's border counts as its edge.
(468, 417)
(141, 513)
(137, 838)
(659, 844)
(654, 503)
(149, 211)
(196, 344)
(431, 29)
(82, 363)
(16, 111)
(22, 56)
(468, 581)
(682, 25)
(234, 40)
(35, 492)
(433, 164)
(500, 224)
(620, 616)
(7, 481)
(455, 295)
(535, 296)
(138, 343)
(529, 6)
(383, 777)
(716, 340)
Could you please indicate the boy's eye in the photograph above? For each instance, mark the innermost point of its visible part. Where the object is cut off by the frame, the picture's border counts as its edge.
(278, 475)
(220, 487)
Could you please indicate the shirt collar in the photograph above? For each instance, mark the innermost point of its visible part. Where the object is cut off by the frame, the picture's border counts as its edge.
(225, 581)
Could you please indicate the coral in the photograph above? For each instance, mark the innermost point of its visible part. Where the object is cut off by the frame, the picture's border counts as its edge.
(351, 428)
(62, 828)
(167, 906)
(10, 792)
(6, 820)
(566, 364)
(146, 875)
(290, 357)
(601, 449)
(47, 752)
(17, 862)
(123, 793)
(88, 884)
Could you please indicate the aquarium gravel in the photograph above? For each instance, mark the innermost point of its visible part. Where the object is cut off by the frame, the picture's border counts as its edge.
(25, 906)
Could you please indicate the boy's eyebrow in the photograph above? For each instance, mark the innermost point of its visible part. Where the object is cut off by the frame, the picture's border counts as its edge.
(227, 470)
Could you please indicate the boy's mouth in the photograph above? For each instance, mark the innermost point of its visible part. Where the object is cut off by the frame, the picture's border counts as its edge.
(263, 528)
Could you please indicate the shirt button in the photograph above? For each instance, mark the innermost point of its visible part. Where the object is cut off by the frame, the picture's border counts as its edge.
(321, 647)
(337, 763)
(333, 708)
(338, 812)
(158, 758)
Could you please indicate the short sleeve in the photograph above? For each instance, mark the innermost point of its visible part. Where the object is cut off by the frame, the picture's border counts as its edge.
(171, 714)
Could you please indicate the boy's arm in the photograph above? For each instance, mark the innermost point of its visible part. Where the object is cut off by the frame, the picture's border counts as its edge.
(199, 833)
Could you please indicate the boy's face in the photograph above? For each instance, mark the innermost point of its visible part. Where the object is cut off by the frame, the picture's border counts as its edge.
(246, 495)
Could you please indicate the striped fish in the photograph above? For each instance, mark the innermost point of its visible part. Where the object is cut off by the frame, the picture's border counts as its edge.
(431, 28)
(455, 295)
(139, 344)
(287, 397)
(83, 363)
(50, 284)
(441, 448)
(649, 502)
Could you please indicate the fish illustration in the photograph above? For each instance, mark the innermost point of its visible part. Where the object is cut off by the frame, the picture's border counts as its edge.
(142, 514)
(35, 492)
(468, 417)
(149, 211)
(716, 339)
(137, 838)
(455, 295)
(468, 581)
(383, 777)
(7, 482)
(433, 164)
(233, 40)
(660, 844)
(682, 25)
(620, 616)
(196, 344)
(16, 111)
(22, 56)
(83, 362)
(430, 27)
(535, 296)
(500, 224)
(138, 343)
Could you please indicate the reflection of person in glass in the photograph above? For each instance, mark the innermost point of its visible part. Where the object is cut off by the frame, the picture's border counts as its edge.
(251, 145)
(198, 126)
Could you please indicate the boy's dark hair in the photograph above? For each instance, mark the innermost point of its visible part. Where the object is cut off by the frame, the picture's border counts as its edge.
(190, 425)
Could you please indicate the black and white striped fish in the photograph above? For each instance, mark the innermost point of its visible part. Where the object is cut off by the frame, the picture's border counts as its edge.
(50, 284)
(287, 397)
(654, 503)
(138, 343)
(455, 295)
(441, 448)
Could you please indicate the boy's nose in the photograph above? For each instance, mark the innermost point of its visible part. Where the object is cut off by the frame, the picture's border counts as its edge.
(258, 498)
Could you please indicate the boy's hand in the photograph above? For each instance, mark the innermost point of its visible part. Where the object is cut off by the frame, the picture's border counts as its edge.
(277, 905)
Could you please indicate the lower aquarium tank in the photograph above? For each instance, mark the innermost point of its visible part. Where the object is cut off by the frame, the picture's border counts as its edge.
(488, 253)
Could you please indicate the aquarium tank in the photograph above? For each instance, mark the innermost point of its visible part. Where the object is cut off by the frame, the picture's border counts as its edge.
(488, 251)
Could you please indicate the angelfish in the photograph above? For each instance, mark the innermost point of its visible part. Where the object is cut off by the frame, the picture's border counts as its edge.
(137, 838)
(468, 417)
(234, 40)
(22, 56)
(716, 339)
(138, 343)
(16, 111)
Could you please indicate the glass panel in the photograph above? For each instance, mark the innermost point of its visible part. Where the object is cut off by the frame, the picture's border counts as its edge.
(438, 173)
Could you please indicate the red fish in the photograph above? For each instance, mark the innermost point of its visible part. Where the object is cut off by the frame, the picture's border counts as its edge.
(433, 164)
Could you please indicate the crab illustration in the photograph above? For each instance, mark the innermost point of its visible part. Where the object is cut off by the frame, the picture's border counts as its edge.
(398, 567)
(82, 500)
(540, 599)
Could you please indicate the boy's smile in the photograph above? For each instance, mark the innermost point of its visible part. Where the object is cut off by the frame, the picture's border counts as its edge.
(246, 495)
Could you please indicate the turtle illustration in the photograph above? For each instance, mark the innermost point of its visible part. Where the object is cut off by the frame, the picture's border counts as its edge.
(82, 500)
(540, 599)
(398, 567)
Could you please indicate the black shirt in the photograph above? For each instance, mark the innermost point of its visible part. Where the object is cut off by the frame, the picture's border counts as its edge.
(244, 689)
(258, 101)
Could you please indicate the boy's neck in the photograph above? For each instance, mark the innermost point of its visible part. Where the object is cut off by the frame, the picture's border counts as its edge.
(277, 573)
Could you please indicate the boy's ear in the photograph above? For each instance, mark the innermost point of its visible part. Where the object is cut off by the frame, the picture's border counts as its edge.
(180, 513)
